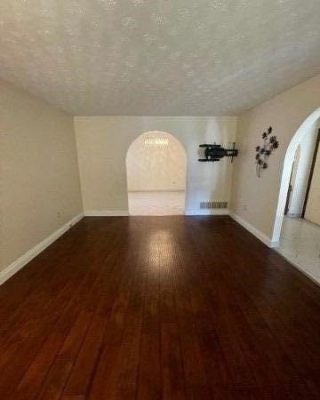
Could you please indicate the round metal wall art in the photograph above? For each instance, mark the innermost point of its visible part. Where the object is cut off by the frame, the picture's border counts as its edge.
(263, 152)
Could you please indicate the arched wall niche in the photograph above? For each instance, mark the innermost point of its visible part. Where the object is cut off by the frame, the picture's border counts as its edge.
(156, 165)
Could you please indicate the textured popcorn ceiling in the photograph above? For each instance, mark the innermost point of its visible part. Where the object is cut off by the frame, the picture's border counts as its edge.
(158, 57)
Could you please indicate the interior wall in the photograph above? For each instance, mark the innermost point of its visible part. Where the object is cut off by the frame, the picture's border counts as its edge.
(312, 213)
(102, 148)
(39, 171)
(254, 200)
(156, 167)
(307, 146)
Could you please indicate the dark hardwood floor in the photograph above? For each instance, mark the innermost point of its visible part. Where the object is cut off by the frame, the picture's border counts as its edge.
(159, 308)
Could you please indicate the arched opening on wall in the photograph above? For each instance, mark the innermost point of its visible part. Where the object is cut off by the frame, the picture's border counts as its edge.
(156, 165)
(306, 135)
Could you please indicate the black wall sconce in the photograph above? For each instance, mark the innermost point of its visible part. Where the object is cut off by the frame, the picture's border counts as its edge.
(263, 152)
(214, 152)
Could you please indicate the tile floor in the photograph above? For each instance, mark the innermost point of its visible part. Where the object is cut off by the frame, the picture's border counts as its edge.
(156, 203)
(300, 244)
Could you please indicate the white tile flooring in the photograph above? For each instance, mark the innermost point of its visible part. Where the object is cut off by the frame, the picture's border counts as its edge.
(300, 244)
(156, 203)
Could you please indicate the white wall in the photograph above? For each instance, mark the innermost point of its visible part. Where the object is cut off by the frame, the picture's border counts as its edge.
(313, 206)
(255, 200)
(154, 167)
(102, 148)
(307, 146)
(39, 172)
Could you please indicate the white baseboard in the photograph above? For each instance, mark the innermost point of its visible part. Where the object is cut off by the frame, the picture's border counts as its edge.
(37, 249)
(124, 213)
(198, 211)
(106, 213)
(258, 234)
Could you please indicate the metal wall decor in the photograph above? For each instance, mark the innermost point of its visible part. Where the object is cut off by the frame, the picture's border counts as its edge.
(214, 152)
(270, 143)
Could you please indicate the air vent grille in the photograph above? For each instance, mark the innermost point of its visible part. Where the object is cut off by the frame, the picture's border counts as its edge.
(213, 204)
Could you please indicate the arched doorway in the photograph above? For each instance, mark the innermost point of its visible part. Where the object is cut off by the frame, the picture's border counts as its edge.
(156, 165)
(297, 225)
(305, 128)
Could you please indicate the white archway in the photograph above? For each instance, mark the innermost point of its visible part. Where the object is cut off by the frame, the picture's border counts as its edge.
(156, 165)
(303, 130)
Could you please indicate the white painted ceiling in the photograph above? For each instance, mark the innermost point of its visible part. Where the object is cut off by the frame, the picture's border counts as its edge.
(158, 57)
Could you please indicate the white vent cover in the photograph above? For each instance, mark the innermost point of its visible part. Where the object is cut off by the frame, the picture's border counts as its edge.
(213, 204)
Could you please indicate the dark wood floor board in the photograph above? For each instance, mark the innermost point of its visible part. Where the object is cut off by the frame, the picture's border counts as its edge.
(72, 397)
(288, 276)
(85, 363)
(287, 373)
(64, 339)
(249, 324)
(46, 288)
(159, 308)
(217, 320)
(149, 372)
(117, 367)
(193, 324)
(113, 298)
(283, 295)
(172, 367)
(27, 341)
(77, 301)
(42, 328)
(63, 249)
(279, 321)
(291, 303)
(56, 380)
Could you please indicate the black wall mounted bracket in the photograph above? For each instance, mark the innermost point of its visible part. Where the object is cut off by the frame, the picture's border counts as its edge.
(215, 152)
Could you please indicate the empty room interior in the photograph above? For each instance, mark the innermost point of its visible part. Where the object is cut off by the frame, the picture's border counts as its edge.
(159, 200)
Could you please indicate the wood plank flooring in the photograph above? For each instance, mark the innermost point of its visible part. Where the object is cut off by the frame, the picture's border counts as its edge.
(159, 308)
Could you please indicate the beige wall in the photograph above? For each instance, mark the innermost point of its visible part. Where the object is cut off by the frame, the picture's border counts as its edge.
(255, 199)
(156, 167)
(313, 206)
(40, 184)
(102, 148)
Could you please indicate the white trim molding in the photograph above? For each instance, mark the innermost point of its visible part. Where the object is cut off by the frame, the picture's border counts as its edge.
(258, 234)
(198, 211)
(125, 213)
(106, 213)
(14, 267)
